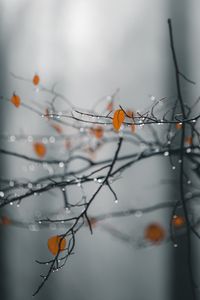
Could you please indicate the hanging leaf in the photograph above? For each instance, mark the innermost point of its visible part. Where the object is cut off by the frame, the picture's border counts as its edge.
(179, 125)
(110, 106)
(47, 113)
(129, 114)
(36, 79)
(93, 222)
(40, 149)
(154, 233)
(178, 221)
(56, 243)
(15, 99)
(97, 132)
(133, 128)
(188, 140)
(57, 128)
(4, 220)
(118, 119)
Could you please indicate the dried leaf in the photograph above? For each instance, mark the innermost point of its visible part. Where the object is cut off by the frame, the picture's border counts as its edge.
(15, 99)
(154, 233)
(68, 144)
(47, 113)
(118, 119)
(188, 140)
(4, 220)
(56, 244)
(40, 149)
(57, 128)
(179, 125)
(93, 222)
(36, 79)
(129, 114)
(133, 128)
(97, 132)
(110, 106)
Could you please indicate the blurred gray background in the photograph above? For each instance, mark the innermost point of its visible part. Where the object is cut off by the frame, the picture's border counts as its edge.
(94, 47)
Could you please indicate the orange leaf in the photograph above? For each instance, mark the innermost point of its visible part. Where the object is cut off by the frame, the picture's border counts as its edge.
(58, 128)
(178, 221)
(179, 125)
(56, 244)
(110, 106)
(155, 233)
(5, 220)
(97, 132)
(129, 113)
(118, 119)
(39, 149)
(188, 140)
(36, 79)
(133, 128)
(15, 99)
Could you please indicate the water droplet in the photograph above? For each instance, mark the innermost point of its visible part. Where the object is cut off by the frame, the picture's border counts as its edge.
(52, 139)
(1, 194)
(188, 150)
(61, 164)
(166, 153)
(45, 140)
(12, 138)
(30, 185)
(33, 227)
(138, 213)
(11, 183)
(30, 139)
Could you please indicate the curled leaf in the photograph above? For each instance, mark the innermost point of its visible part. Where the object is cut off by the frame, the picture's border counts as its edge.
(118, 119)
(40, 149)
(56, 244)
(15, 99)
(36, 79)
(154, 233)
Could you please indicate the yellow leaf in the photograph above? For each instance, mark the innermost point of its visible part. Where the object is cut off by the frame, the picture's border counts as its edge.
(118, 119)
(56, 244)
